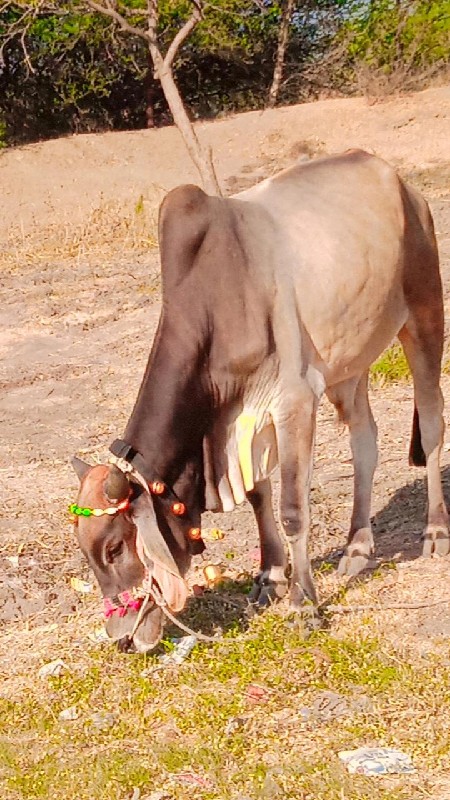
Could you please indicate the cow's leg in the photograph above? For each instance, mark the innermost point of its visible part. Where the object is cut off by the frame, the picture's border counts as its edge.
(295, 426)
(271, 582)
(354, 403)
(421, 339)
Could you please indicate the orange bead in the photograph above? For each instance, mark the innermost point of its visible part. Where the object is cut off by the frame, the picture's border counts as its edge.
(195, 533)
(157, 487)
(179, 509)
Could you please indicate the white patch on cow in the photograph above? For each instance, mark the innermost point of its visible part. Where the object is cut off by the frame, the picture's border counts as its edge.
(316, 380)
(244, 444)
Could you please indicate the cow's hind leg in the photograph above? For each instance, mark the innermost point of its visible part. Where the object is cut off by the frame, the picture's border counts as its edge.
(271, 582)
(421, 339)
(353, 406)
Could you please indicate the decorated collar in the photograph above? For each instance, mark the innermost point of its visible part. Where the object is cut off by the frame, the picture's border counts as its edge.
(79, 511)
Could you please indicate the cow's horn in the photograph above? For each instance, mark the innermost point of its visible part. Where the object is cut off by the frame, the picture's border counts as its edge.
(116, 485)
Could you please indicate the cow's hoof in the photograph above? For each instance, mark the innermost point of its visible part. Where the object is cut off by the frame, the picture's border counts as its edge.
(266, 591)
(126, 645)
(357, 556)
(436, 541)
(352, 565)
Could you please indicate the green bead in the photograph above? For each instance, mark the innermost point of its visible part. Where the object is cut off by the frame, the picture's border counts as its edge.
(72, 508)
(86, 512)
(78, 511)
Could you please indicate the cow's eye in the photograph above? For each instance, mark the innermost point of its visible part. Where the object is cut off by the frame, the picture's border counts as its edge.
(114, 551)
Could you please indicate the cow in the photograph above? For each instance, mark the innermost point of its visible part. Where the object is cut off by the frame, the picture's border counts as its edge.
(270, 299)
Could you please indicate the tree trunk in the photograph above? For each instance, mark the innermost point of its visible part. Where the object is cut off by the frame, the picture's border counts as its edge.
(200, 155)
(281, 52)
(149, 93)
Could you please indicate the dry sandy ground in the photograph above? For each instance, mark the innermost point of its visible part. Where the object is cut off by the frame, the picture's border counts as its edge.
(75, 334)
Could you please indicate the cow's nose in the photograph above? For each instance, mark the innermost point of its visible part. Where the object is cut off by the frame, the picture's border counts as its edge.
(126, 645)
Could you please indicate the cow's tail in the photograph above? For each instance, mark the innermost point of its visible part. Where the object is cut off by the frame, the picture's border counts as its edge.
(416, 452)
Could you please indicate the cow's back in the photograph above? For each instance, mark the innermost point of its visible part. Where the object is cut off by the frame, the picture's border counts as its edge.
(340, 249)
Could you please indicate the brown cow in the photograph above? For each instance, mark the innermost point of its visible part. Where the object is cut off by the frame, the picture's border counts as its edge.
(271, 298)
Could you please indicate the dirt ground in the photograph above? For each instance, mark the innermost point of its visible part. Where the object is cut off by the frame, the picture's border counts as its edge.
(76, 324)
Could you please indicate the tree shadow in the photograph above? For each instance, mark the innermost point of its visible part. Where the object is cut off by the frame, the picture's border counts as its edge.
(398, 527)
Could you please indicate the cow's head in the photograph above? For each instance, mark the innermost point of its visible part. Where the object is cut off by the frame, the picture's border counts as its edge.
(130, 547)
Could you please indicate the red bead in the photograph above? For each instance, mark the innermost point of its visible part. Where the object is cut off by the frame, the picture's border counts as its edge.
(157, 487)
(195, 533)
(179, 509)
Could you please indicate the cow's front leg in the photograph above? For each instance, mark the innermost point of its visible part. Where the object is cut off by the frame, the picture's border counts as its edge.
(271, 583)
(295, 437)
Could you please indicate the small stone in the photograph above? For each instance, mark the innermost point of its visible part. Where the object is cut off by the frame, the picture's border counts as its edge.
(234, 725)
(270, 787)
(102, 720)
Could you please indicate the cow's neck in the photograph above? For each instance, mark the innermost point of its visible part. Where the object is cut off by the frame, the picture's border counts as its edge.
(170, 416)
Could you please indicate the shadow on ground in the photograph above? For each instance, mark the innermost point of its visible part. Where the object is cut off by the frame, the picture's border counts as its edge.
(397, 528)
(221, 609)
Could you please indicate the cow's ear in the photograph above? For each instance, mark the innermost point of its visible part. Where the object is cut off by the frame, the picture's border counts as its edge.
(80, 467)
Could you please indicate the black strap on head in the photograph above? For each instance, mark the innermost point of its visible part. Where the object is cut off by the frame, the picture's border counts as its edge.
(123, 450)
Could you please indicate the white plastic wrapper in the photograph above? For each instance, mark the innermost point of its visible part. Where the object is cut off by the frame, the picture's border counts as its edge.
(376, 761)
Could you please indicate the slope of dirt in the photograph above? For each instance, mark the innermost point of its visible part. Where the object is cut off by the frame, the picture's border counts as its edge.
(75, 335)
(66, 179)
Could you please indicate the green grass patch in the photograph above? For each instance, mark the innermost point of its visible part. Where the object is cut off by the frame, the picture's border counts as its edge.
(200, 718)
(390, 367)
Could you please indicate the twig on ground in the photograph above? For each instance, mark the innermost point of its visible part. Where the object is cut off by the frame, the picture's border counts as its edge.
(340, 609)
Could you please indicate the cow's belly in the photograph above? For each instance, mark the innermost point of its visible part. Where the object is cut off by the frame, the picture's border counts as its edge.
(348, 341)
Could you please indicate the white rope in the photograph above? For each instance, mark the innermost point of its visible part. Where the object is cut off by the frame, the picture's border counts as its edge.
(159, 600)
(128, 469)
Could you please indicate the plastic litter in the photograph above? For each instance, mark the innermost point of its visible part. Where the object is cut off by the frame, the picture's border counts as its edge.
(192, 779)
(213, 534)
(376, 761)
(212, 573)
(183, 647)
(99, 635)
(256, 693)
(53, 669)
(82, 587)
(69, 714)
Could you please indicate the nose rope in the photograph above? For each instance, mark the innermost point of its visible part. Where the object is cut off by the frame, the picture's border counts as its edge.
(159, 601)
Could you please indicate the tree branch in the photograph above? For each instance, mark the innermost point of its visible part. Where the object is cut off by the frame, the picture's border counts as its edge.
(124, 24)
(180, 37)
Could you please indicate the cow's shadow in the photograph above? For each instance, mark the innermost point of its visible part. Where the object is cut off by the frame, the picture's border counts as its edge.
(217, 611)
(397, 531)
(398, 527)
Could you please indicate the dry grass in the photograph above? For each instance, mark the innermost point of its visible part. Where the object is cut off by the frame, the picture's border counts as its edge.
(107, 230)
